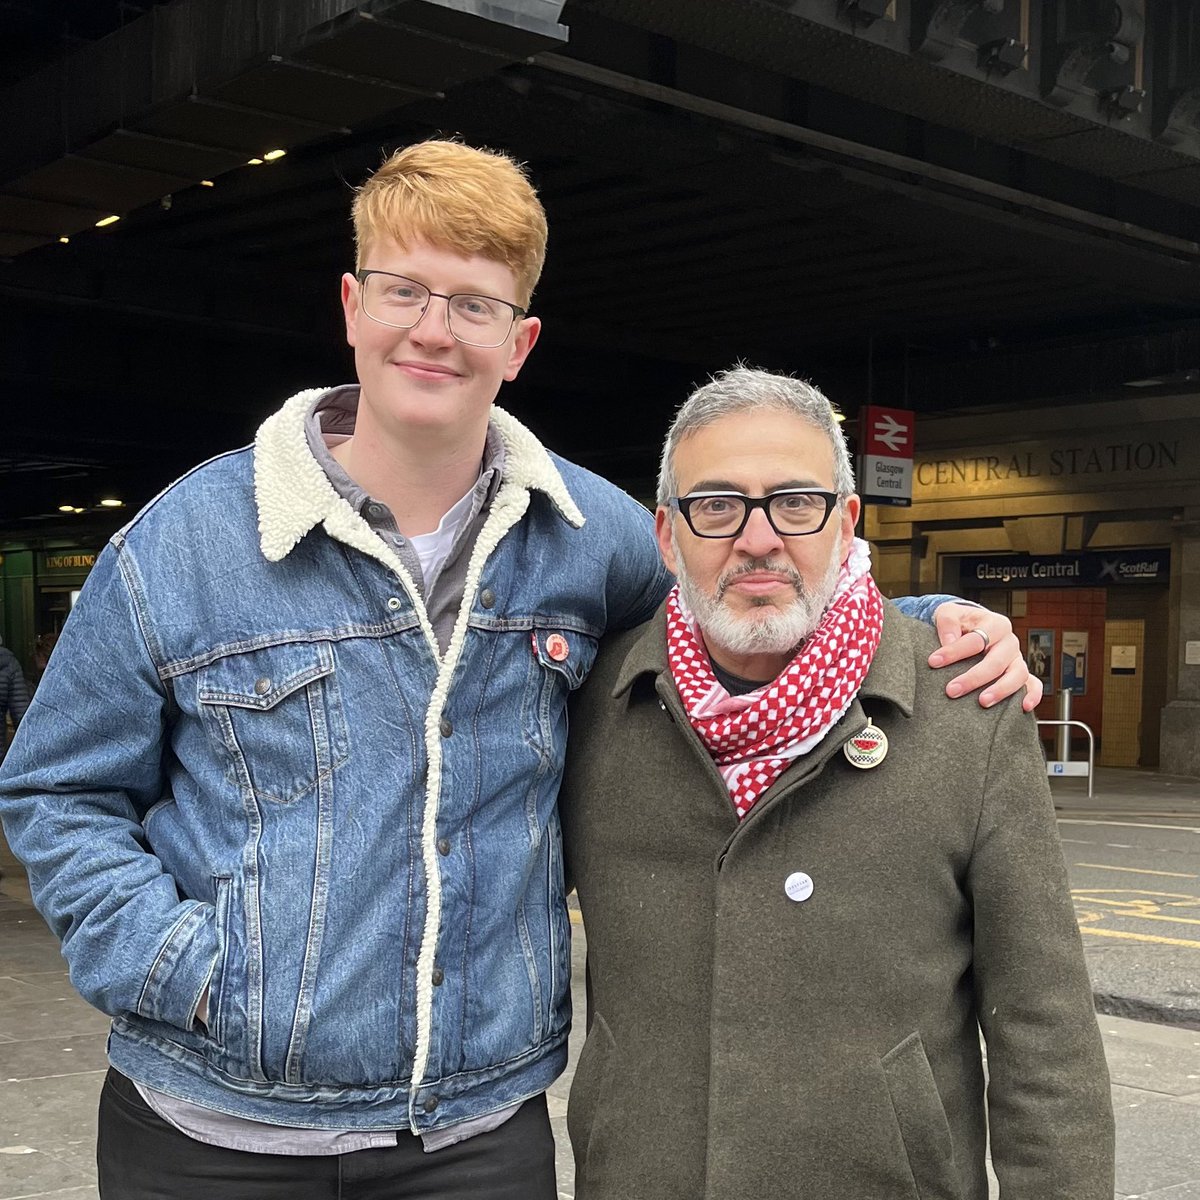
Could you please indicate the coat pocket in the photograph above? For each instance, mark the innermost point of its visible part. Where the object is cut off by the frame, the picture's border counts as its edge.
(590, 1093)
(921, 1119)
(234, 1011)
(218, 982)
(280, 716)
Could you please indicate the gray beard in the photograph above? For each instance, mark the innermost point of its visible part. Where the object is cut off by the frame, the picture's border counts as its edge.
(765, 629)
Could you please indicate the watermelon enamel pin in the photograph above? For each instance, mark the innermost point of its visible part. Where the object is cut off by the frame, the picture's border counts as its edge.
(866, 749)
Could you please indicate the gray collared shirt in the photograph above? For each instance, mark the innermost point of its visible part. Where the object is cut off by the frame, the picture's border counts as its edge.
(333, 418)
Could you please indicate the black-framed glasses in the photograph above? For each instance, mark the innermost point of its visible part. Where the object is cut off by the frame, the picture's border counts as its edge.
(792, 512)
(401, 302)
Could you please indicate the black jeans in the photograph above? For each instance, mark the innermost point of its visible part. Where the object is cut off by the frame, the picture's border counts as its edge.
(142, 1157)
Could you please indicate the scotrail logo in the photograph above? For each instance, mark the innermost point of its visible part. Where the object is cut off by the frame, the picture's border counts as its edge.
(1117, 569)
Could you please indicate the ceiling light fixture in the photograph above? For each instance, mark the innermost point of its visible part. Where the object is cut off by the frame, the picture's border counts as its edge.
(66, 508)
(1003, 56)
(254, 162)
(107, 221)
(112, 502)
(65, 240)
(1123, 102)
(274, 155)
(867, 12)
(1190, 375)
(206, 183)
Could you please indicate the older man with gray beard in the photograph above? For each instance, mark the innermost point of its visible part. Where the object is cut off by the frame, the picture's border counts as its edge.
(810, 880)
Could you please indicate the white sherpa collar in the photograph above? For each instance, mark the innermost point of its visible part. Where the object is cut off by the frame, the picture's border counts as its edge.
(294, 494)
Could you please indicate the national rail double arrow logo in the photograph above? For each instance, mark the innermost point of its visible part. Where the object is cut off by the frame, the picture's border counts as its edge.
(866, 749)
(891, 433)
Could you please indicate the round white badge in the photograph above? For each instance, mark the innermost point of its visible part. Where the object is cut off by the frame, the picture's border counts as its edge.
(798, 886)
(866, 749)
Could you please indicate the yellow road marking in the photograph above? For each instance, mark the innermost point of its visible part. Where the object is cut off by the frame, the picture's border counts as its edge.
(1137, 870)
(1139, 937)
(1092, 903)
(1147, 916)
(1143, 905)
(1184, 896)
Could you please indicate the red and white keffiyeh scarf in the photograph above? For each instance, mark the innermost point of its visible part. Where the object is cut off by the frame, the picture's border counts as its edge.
(754, 737)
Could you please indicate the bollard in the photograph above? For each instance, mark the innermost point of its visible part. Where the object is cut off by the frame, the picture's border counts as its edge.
(1063, 737)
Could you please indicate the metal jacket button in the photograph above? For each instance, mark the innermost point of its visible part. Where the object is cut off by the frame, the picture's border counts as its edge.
(443, 846)
(487, 598)
(262, 686)
(430, 1104)
(438, 977)
(445, 726)
(393, 603)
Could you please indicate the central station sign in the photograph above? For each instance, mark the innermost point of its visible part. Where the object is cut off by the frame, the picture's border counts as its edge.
(1116, 459)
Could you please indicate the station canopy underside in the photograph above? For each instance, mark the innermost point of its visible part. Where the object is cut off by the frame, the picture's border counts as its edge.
(785, 184)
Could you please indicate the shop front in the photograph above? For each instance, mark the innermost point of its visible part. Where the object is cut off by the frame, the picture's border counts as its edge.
(1083, 524)
(38, 588)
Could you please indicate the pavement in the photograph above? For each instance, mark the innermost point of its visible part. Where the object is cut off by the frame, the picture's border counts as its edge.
(52, 1044)
(1129, 792)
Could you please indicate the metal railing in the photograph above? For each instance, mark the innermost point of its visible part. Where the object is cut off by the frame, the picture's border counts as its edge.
(1057, 768)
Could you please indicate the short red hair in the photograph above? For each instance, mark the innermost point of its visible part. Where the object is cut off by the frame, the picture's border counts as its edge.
(457, 198)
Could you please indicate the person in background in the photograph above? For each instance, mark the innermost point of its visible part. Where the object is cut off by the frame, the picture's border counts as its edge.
(43, 647)
(14, 692)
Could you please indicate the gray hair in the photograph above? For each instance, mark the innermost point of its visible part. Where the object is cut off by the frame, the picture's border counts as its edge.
(745, 389)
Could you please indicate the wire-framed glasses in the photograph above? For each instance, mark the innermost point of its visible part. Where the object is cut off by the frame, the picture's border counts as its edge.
(401, 302)
(792, 512)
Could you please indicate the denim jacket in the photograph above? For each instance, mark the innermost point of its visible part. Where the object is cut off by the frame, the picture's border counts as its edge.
(353, 841)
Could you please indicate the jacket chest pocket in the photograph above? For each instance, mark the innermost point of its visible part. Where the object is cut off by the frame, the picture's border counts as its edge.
(560, 662)
(280, 716)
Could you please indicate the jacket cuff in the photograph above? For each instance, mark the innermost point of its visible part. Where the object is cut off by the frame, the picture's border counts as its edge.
(182, 969)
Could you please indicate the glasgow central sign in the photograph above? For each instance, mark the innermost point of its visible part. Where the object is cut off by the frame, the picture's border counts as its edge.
(1088, 568)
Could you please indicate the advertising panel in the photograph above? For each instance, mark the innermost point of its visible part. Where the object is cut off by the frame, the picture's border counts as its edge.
(1073, 672)
(1039, 655)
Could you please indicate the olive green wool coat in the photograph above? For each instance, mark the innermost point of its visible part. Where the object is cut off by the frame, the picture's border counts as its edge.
(745, 1046)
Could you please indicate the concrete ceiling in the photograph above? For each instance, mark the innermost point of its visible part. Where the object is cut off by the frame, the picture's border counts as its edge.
(723, 180)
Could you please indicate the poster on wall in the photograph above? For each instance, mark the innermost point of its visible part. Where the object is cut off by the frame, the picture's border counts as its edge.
(1073, 673)
(1039, 655)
